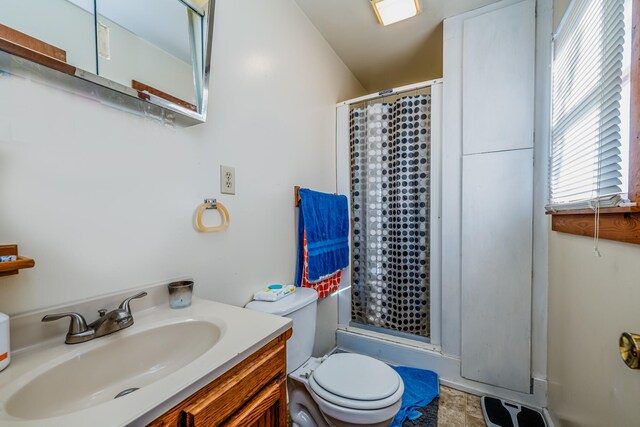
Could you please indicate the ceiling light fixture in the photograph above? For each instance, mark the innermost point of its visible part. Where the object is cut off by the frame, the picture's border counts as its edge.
(391, 11)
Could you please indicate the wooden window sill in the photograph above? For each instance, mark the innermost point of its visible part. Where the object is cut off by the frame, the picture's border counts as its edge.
(620, 224)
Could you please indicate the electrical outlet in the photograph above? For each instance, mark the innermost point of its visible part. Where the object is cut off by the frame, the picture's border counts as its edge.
(227, 180)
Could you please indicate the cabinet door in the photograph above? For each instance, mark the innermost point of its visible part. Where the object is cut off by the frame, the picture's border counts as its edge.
(497, 251)
(252, 393)
(262, 411)
(254, 382)
(498, 66)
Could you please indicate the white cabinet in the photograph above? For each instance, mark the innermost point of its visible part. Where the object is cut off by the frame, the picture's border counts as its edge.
(489, 82)
(496, 267)
(498, 66)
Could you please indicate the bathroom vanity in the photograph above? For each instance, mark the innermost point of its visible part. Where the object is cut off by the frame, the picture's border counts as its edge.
(205, 365)
(253, 393)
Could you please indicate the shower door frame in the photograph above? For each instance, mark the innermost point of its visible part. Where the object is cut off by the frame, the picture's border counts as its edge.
(343, 184)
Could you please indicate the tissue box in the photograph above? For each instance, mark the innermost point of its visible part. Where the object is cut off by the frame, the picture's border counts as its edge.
(274, 292)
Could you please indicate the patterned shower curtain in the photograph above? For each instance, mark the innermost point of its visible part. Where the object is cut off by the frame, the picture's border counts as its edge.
(390, 188)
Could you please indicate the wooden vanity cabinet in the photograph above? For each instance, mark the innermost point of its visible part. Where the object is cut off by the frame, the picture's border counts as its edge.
(252, 393)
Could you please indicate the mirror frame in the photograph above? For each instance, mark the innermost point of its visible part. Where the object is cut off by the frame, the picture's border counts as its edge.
(24, 62)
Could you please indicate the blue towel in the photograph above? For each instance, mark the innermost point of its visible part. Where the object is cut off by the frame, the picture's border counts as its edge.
(420, 388)
(325, 217)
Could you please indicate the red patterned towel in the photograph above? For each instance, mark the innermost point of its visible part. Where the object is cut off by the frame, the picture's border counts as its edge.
(326, 285)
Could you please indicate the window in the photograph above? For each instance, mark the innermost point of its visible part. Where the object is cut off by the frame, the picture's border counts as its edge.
(595, 159)
(590, 106)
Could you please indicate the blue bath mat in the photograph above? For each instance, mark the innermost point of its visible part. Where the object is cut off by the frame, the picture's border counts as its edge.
(420, 388)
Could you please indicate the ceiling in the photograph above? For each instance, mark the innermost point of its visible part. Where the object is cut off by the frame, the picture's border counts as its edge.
(385, 57)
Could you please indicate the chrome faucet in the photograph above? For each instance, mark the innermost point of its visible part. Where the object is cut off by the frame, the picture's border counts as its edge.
(107, 323)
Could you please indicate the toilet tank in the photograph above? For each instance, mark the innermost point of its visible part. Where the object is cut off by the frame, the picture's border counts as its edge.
(301, 307)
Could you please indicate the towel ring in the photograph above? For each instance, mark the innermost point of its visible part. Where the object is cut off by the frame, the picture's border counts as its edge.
(224, 214)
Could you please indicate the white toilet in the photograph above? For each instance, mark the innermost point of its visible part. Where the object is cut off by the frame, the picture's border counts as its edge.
(340, 390)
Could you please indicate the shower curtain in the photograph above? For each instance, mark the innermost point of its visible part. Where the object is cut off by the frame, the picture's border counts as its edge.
(390, 188)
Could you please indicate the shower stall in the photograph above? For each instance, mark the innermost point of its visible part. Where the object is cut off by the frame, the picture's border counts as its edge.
(449, 261)
(386, 143)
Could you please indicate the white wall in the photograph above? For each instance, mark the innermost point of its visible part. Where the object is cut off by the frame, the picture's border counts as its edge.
(559, 8)
(591, 302)
(103, 200)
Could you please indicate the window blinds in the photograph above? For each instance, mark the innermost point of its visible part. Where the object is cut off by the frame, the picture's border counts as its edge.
(585, 164)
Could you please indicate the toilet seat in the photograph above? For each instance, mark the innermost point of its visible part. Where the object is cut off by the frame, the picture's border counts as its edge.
(356, 389)
(366, 405)
(356, 377)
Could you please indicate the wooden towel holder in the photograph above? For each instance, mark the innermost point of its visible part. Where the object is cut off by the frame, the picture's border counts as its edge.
(296, 196)
(212, 204)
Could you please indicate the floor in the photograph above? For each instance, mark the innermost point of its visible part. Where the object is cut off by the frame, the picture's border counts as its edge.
(459, 409)
(455, 409)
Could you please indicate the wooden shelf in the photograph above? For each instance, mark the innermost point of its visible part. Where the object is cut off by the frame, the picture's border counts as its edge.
(25, 46)
(13, 267)
(28, 42)
(144, 89)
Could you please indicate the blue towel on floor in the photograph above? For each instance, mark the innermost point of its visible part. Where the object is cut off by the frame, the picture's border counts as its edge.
(420, 388)
(325, 217)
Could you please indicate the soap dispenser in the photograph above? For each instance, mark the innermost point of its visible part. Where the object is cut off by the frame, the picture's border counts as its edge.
(5, 353)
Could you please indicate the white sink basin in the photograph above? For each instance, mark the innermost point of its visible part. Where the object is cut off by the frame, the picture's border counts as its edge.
(167, 354)
(123, 362)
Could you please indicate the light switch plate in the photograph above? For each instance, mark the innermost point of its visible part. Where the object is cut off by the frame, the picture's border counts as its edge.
(227, 180)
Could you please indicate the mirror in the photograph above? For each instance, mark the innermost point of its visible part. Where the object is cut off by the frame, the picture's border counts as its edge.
(160, 54)
(154, 51)
(66, 29)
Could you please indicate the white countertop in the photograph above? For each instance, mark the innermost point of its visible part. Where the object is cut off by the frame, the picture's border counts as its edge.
(243, 332)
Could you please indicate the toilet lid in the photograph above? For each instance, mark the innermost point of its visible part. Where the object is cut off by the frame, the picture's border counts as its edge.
(356, 377)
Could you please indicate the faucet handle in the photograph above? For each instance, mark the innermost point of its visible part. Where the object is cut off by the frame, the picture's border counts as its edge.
(77, 325)
(102, 312)
(125, 304)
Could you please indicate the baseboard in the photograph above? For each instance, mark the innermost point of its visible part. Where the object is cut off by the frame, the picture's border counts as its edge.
(447, 366)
